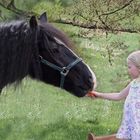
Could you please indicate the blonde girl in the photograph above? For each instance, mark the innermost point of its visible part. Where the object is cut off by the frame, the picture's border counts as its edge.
(130, 126)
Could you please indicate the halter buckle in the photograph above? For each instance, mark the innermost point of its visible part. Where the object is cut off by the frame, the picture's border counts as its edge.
(64, 71)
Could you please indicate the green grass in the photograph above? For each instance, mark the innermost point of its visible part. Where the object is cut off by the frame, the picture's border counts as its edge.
(36, 111)
(42, 112)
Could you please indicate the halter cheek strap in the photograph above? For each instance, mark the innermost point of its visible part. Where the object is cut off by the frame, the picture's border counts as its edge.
(63, 71)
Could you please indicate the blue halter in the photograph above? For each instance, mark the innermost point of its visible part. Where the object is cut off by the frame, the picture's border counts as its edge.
(63, 71)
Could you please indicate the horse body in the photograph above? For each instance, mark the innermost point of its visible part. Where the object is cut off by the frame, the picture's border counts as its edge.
(43, 52)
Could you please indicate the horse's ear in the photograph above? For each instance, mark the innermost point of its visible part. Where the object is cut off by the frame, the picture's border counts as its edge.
(33, 22)
(43, 18)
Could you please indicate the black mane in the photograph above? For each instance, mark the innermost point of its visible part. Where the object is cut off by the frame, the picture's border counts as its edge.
(16, 50)
(52, 31)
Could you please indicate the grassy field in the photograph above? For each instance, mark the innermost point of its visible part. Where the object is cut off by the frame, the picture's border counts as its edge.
(39, 112)
(36, 111)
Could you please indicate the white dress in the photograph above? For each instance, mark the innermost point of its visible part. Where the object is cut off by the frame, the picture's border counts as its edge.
(130, 126)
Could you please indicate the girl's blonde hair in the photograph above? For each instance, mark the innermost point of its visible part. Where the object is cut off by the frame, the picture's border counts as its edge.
(134, 57)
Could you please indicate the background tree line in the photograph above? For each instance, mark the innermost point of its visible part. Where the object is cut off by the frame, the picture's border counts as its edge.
(108, 15)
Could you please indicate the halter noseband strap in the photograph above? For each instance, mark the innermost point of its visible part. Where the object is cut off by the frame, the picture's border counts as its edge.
(63, 71)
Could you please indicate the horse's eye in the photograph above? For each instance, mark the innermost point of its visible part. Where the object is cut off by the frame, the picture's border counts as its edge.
(55, 48)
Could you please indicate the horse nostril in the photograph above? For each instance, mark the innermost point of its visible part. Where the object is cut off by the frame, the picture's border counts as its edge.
(91, 79)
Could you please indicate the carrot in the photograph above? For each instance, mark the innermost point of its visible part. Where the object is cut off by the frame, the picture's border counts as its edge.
(91, 94)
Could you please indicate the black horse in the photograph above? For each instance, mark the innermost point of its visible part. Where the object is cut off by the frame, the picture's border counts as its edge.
(39, 50)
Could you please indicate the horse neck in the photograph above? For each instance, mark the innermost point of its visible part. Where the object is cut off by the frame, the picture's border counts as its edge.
(15, 52)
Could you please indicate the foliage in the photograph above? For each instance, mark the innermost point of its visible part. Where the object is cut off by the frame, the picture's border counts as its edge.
(65, 3)
(103, 14)
(21, 4)
(53, 10)
(16, 9)
(108, 14)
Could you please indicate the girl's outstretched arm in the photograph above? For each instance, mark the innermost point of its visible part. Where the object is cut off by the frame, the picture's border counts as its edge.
(110, 96)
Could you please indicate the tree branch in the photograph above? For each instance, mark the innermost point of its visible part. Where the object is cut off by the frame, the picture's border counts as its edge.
(11, 7)
(93, 26)
(112, 12)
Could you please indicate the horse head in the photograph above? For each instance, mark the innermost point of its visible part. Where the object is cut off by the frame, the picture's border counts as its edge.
(59, 65)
